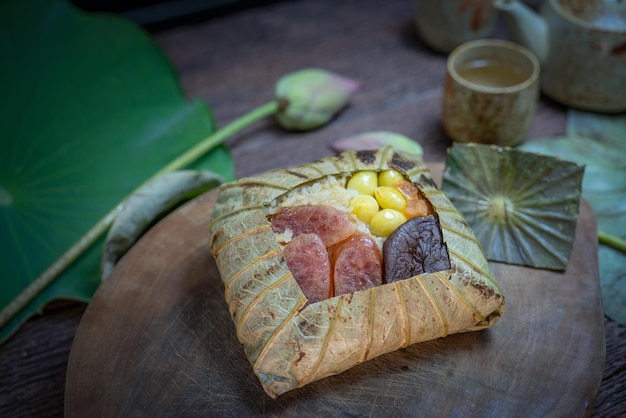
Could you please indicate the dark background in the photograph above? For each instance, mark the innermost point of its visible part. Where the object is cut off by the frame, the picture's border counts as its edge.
(156, 15)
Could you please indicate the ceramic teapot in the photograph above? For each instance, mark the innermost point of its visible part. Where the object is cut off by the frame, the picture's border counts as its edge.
(445, 24)
(581, 45)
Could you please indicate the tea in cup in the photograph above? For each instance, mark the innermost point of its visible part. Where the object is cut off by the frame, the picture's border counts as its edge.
(491, 92)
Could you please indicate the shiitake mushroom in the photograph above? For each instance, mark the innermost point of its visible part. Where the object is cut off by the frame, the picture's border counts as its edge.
(415, 247)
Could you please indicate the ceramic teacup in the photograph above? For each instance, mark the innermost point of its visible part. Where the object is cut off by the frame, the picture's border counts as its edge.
(491, 92)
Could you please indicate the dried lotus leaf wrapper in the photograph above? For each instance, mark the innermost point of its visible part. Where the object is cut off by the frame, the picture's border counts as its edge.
(290, 343)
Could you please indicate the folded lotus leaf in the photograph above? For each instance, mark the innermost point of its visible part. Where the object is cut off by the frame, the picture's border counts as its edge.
(290, 343)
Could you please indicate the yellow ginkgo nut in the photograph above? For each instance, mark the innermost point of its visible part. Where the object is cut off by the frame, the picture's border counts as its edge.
(364, 207)
(390, 198)
(389, 177)
(364, 182)
(385, 222)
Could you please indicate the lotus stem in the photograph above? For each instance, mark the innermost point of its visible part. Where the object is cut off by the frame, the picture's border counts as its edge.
(219, 136)
(612, 241)
(92, 235)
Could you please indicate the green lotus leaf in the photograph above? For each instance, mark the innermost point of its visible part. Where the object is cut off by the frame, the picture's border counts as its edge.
(523, 207)
(597, 141)
(90, 109)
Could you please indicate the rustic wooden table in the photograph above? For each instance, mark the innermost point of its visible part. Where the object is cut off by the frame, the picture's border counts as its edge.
(232, 63)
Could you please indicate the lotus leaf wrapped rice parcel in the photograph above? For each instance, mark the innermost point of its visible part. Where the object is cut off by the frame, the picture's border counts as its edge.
(312, 287)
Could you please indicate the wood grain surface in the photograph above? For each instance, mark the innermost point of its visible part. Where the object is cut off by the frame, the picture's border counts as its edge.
(231, 63)
(157, 339)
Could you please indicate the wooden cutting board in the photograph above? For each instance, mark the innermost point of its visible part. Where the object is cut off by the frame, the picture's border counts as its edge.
(157, 340)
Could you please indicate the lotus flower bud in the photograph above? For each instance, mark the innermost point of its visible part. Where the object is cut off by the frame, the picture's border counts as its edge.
(378, 139)
(311, 97)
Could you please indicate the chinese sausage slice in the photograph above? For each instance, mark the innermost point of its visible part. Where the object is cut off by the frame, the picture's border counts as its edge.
(308, 261)
(330, 224)
(357, 264)
(290, 340)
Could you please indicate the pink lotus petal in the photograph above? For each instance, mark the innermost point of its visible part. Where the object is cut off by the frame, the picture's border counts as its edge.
(375, 140)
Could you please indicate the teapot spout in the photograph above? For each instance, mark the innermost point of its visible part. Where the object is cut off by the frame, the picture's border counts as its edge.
(525, 27)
